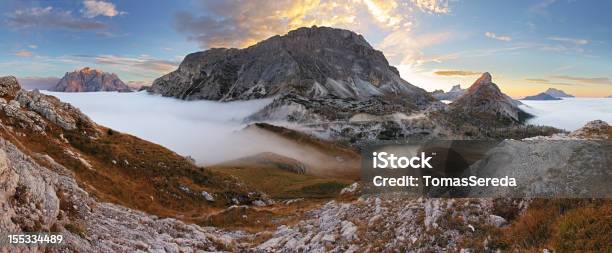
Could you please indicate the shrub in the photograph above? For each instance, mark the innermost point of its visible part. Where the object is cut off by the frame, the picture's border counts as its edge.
(584, 230)
(531, 229)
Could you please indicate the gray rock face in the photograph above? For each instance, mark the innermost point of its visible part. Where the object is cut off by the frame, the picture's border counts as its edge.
(310, 62)
(88, 80)
(381, 223)
(63, 114)
(557, 93)
(31, 108)
(485, 99)
(9, 86)
(541, 96)
(548, 168)
(37, 198)
(452, 94)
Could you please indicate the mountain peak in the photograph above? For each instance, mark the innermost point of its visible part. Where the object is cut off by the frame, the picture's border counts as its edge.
(88, 79)
(310, 62)
(456, 88)
(485, 78)
(485, 99)
(557, 93)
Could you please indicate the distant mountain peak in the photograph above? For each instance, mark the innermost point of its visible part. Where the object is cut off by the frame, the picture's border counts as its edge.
(454, 93)
(88, 79)
(557, 93)
(541, 96)
(456, 88)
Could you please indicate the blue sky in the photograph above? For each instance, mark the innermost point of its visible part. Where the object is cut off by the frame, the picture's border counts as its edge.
(528, 46)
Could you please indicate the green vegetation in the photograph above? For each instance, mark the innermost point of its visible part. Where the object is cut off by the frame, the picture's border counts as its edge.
(282, 184)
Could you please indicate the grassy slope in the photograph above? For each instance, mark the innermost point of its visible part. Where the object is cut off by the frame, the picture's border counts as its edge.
(150, 180)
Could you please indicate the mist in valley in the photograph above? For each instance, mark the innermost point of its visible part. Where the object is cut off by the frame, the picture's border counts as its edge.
(210, 132)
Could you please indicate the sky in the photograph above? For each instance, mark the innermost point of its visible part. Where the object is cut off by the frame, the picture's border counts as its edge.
(528, 46)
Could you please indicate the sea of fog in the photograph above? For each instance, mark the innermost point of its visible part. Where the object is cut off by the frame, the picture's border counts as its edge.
(207, 130)
(568, 113)
(201, 129)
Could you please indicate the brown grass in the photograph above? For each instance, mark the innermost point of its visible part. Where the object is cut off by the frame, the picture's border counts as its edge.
(564, 225)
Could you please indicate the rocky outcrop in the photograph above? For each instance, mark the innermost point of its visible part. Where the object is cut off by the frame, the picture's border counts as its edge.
(574, 165)
(557, 93)
(596, 129)
(308, 62)
(88, 80)
(9, 86)
(387, 222)
(541, 96)
(485, 100)
(38, 198)
(454, 93)
(63, 114)
(32, 109)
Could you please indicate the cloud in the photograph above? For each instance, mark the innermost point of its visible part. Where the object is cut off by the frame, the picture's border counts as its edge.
(35, 82)
(498, 37)
(549, 82)
(94, 8)
(577, 42)
(541, 7)
(48, 17)
(405, 48)
(32, 46)
(244, 22)
(152, 67)
(587, 80)
(143, 62)
(456, 73)
(24, 53)
(537, 80)
(432, 6)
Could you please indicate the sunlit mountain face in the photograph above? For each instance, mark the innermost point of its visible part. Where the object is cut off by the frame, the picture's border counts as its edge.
(529, 46)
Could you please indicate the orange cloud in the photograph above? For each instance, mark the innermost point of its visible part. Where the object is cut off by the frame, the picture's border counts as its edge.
(243, 23)
(456, 73)
(24, 53)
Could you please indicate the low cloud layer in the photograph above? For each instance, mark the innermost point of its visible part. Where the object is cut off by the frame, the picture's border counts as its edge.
(205, 130)
(556, 113)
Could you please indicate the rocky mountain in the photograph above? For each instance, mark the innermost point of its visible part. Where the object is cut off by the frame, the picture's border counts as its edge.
(541, 96)
(454, 93)
(557, 93)
(310, 63)
(485, 99)
(88, 80)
